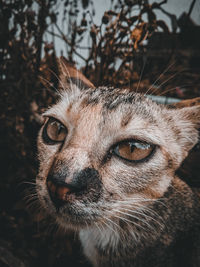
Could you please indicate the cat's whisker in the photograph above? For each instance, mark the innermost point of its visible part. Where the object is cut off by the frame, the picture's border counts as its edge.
(140, 208)
(150, 211)
(110, 227)
(57, 229)
(134, 217)
(143, 200)
(102, 227)
(86, 224)
(33, 205)
(141, 213)
(78, 80)
(172, 89)
(66, 72)
(165, 81)
(30, 196)
(60, 80)
(168, 67)
(51, 228)
(115, 224)
(96, 224)
(134, 199)
(27, 182)
(143, 67)
(123, 218)
(50, 84)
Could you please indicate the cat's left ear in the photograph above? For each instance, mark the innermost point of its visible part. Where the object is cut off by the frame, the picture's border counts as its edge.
(186, 103)
(186, 115)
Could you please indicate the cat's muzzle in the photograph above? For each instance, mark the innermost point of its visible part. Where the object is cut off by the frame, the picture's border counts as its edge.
(82, 186)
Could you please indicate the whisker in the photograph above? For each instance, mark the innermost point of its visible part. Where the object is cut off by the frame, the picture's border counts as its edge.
(135, 198)
(65, 70)
(125, 219)
(172, 89)
(168, 79)
(96, 224)
(50, 84)
(134, 217)
(144, 215)
(115, 224)
(27, 182)
(57, 77)
(29, 196)
(160, 200)
(127, 222)
(110, 227)
(160, 76)
(138, 85)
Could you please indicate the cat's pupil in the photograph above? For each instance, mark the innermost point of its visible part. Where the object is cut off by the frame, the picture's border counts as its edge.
(60, 128)
(54, 131)
(134, 151)
(132, 146)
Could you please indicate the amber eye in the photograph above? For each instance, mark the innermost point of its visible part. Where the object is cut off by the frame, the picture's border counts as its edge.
(134, 151)
(54, 131)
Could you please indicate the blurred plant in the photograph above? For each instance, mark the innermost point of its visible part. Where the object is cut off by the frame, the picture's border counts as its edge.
(115, 42)
(23, 25)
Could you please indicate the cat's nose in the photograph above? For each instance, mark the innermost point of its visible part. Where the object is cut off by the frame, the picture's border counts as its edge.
(60, 192)
(62, 189)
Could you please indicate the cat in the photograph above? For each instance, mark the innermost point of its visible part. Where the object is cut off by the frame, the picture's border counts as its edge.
(108, 161)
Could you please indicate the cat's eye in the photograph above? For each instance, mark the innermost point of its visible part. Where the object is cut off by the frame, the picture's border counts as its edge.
(54, 131)
(134, 151)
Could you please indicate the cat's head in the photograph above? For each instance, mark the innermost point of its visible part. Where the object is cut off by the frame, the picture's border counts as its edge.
(104, 149)
(104, 152)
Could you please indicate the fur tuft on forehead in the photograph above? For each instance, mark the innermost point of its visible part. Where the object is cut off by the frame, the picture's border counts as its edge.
(109, 97)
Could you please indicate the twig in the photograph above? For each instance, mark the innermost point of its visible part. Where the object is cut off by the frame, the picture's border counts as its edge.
(63, 37)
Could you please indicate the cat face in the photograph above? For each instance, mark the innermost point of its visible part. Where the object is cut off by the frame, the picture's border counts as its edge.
(103, 150)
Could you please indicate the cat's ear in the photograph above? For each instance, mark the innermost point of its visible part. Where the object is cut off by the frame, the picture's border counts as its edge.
(69, 75)
(186, 117)
(60, 74)
(186, 103)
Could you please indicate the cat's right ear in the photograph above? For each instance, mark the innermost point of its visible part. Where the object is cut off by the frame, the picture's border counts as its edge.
(62, 75)
(69, 76)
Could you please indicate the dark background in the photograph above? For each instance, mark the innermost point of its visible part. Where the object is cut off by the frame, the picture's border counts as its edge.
(128, 49)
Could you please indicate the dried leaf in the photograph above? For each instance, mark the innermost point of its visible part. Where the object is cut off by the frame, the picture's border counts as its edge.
(138, 34)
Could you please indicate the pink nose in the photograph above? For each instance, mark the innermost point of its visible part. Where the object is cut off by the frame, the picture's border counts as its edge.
(58, 193)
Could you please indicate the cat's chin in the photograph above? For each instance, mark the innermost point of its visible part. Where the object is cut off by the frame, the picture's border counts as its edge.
(71, 223)
(74, 213)
(74, 216)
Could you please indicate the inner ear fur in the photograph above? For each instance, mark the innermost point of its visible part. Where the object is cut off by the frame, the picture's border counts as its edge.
(62, 74)
(190, 168)
(69, 74)
(186, 103)
(186, 116)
